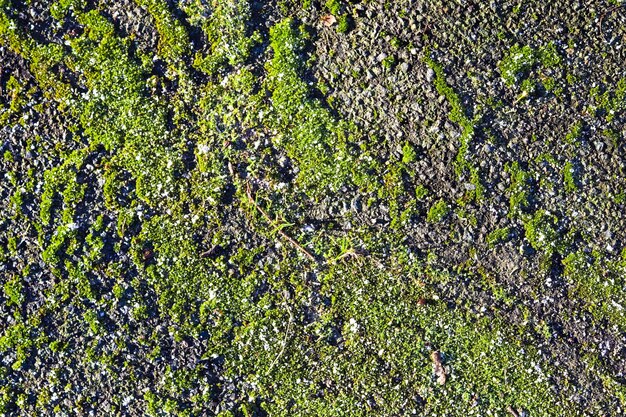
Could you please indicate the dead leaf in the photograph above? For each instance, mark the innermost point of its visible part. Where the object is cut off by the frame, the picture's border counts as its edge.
(328, 20)
(438, 368)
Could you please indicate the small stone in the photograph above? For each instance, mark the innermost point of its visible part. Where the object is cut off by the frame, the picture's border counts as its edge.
(430, 75)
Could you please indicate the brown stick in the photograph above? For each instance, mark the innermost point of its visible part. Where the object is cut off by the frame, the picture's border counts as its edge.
(273, 223)
(208, 252)
(512, 411)
(611, 10)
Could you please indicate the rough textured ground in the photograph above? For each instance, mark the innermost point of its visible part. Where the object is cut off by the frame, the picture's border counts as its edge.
(251, 208)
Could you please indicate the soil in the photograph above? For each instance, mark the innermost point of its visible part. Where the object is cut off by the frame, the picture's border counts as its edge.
(248, 208)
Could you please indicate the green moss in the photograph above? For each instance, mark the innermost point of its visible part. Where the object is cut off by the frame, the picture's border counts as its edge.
(17, 201)
(57, 346)
(229, 35)
(91, 318)
(174, 43)
(61, 8)
(421, 192)
(570, 177)
(18, 338)
(498, 236)
(408, 153)
(402, 208)
(458, 115)
(549, 56)
(541, 232)
(516, 64)
(519, 61)
(118, 291)
(438, 211)
(598, 282)
(15, 91)
(98, 27)
(334, 6)
(550, 85)
(389, 62)
(176, 165)
(571, 79)
(308, 132)
(575, 133)
(519, 191)
(62, 180)
(6, 399)
(609, 102)
(396, 42)
(14, 291)
(343, 24)
(528, 87)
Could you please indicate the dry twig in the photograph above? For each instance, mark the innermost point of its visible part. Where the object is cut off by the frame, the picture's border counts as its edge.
(277, 227)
